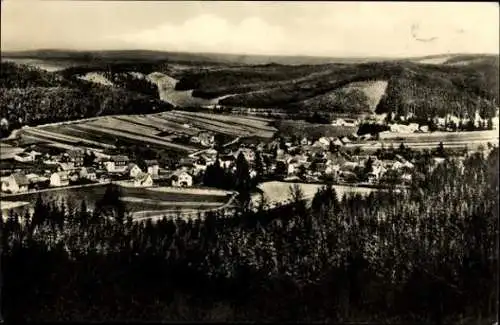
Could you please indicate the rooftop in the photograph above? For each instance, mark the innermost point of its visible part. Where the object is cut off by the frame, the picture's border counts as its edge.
(20, 179)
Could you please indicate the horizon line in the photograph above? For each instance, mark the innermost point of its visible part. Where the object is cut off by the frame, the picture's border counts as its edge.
(246, 54)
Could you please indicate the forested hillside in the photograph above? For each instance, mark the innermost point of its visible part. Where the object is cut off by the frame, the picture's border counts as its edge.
(422, 89)
(29, 96)
(462, 86)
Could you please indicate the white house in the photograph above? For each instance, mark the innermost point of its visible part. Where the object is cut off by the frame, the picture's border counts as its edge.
(133, 170)
(116, 164)
(322, 142)
(143, 180)
(207, 139)
(377, 172)
(397, 165)
(66, 166)
(194, 139)
(181, 178)
(332, 169)
(15, 183)
(344, 122)
(424, 128)
(60, 178)
(345, 140)
(24, 157)
(293, 166)
(337, 142)
(152, 167)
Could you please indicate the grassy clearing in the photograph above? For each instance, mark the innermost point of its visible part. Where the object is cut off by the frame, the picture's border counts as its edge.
(276, 191)
(136, 199)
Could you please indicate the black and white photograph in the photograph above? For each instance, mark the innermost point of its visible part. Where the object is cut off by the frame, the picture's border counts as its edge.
(249, 161)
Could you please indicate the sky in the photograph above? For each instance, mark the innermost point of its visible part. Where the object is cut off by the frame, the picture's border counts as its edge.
(338, 29)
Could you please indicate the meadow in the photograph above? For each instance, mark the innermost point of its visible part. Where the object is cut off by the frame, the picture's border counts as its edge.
(276, 192)
(136, 200)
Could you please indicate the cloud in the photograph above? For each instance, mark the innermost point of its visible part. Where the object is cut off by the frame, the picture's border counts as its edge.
(288, 28)
(211, 33)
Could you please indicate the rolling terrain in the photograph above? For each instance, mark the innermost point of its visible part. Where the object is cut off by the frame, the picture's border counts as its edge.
(138, 82)
(159, 131)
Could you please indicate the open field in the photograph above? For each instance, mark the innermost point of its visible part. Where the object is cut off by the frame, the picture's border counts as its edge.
(7, 151)
(441, 136)
(311, 130)
(136, 199)
(470, 140)
(276, 192)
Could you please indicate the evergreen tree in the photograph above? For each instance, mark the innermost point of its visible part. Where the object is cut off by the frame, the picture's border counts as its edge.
(490, 124)
(259, 167)
(89, 158)
(242, 179)
(440, 151)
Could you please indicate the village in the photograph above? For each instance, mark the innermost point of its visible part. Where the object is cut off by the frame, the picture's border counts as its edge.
(305, 160)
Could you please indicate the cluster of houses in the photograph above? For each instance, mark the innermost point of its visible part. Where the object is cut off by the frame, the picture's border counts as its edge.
(288, 159)
(303, 160)
(68, 169)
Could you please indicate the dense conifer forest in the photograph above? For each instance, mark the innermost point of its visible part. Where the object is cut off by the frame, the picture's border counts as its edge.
(426, 255)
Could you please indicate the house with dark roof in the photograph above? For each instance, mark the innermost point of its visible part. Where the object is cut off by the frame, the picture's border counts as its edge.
(76, 157)
(227, 160)
(15, 183)
(116, 164)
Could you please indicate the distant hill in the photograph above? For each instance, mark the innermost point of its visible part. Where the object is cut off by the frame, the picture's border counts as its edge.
(147, 55)
(424, 90)
(425, 87)
(29, 96)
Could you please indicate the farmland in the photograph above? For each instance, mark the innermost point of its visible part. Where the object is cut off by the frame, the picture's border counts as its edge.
(155, 130)
(468, 140)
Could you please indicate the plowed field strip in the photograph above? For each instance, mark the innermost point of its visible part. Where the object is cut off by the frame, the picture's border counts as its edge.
(216, 126)
(59, 138)
(123, 126)
(133, 136)
(231, 120)
(80, 136)
(141, 121)
(206, 126)
(176, 127)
